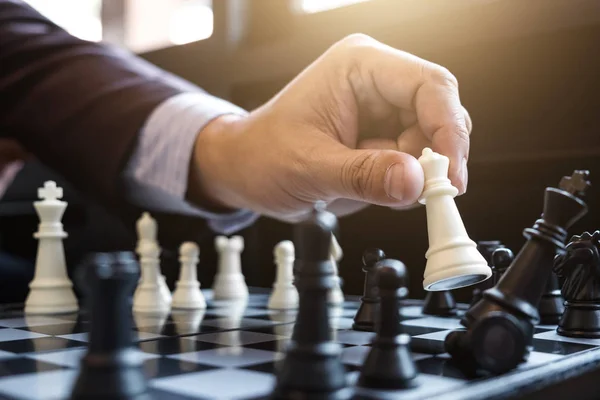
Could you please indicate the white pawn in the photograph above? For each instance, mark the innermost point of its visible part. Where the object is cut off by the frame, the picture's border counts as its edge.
(187, 293)
(147, 230)
(229, 282)
(453, 260)
(335, 295)
(285, 294)
(51, 291)
(148, 297)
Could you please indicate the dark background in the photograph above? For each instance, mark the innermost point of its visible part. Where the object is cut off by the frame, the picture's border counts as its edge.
(529, 74)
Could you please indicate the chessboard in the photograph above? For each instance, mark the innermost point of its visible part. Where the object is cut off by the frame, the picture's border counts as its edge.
(230, 350)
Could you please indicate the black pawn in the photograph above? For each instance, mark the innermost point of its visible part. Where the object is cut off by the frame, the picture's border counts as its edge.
(500, 326)
(440, 303)
(112, 368)
(551, 306)
(312, 367)
(366, 316)
(501, 260)
(486, 248)
(389, 363)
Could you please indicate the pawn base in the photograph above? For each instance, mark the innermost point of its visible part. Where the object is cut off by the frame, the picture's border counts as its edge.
(389, 365)
(365, 317)
(551, 308)
(312, 372)
(440, 304)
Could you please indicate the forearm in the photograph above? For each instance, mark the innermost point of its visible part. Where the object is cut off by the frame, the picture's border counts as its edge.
(177, 145)
(78, 106)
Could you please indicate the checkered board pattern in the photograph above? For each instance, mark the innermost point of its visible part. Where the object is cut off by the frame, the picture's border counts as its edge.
(231, 350)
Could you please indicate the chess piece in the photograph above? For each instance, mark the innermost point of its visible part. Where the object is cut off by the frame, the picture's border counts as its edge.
(147, 232)
(229, 283)
(285, 294)
(148, 297)
(366, 315)
(312, 367)
(551, 306)
(112, 367)
(440, 303)
(579, 266)
(51, 290)
(389, 363)
(452, 258)
(501, 259)
(507, 312)
(336, 296)
(486, 248)
(165, 292)
(187, 289)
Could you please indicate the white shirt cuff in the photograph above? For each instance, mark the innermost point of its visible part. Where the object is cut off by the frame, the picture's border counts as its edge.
(156, 176)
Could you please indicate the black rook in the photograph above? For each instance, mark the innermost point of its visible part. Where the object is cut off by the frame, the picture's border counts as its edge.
(111, 369)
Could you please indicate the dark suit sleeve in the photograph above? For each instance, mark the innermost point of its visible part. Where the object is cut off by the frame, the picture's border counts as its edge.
(77, 106)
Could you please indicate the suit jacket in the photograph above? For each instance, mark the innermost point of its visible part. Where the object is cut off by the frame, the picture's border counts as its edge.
(77, 106)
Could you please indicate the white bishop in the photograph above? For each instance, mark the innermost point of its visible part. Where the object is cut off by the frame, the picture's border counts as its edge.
(452, 258)
(147, 234)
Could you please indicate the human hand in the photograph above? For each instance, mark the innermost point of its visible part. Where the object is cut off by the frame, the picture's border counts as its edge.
(347, 131)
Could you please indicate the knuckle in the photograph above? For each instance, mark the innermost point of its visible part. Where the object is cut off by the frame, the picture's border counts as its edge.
(462, 134)
(358, 174)
(439, 75)
(352, 47)
(356, 40)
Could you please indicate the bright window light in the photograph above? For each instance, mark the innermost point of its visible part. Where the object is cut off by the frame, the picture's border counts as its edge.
(313, 6)
(81, 18)
(191, 22)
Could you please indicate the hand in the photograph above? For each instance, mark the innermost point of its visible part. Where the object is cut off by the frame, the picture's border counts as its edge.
(347, 131)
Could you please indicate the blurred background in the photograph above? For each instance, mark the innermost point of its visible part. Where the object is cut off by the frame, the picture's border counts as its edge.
(529, 74)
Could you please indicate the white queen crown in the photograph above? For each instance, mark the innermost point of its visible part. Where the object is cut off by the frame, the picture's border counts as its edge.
(435, 169)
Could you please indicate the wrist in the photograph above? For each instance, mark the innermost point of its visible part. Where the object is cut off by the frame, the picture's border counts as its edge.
(210, 165)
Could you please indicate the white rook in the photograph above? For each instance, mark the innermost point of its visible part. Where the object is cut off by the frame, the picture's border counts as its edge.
(453, 260)
(51, 291)
(229, 280)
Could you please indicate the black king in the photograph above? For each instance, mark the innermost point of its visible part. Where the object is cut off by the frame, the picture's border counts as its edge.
(500, 327)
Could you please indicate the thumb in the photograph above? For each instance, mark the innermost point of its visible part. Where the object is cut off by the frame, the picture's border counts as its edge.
(382, 177)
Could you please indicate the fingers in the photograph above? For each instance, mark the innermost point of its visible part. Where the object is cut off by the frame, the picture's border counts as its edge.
(383, 177)
(411, 83)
